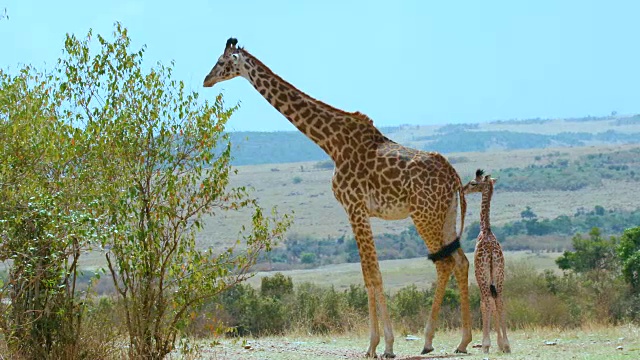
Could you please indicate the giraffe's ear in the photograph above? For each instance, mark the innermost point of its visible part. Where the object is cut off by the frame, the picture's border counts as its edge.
(235, 58)
(494, 181)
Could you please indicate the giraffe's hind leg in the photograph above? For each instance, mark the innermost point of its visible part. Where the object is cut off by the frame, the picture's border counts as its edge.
(501, 322)
(432, 235)
(461, 272)
(436, 234)
(444, 268)
(483, 278)
(501, 326)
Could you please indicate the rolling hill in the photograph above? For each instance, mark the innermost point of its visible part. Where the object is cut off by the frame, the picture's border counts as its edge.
(254, 148)
(542, 157)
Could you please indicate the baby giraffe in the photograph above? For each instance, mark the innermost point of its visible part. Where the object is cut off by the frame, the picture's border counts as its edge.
(489, 266)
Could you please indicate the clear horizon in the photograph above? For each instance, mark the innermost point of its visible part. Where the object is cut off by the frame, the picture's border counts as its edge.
(405, 62)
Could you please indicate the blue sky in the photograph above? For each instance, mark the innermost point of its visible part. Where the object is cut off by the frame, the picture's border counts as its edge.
(400, 62)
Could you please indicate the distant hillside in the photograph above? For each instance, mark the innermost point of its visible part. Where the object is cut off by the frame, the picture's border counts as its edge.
(254, 148)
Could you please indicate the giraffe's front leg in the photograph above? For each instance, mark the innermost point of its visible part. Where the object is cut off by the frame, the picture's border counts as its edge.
(376, 297)
(384, 316)
(373, 282)
(374, 332)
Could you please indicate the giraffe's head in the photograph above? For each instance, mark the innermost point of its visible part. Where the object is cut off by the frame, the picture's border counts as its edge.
(229, 65)
(480, 183)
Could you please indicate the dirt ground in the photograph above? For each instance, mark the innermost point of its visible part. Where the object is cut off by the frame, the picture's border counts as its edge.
(622, 342)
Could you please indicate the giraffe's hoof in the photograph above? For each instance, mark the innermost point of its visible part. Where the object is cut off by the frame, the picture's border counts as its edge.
(372, 355)
(458, 351)
(426, 350)
(387, 355)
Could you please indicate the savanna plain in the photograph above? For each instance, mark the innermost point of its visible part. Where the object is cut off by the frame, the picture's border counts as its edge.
(304, 189)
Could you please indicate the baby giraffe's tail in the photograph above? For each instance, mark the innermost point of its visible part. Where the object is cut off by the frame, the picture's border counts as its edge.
(492, 287)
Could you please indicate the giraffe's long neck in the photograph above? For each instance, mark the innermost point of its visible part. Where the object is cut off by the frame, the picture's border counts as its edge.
(320, 122)
(485, 208)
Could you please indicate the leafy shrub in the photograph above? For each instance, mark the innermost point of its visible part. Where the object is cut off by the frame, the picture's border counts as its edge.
(592, 253)
(629, 254)
(308, 258)
(532, 299)
(276, 286)
(356, 297)
(409, 307)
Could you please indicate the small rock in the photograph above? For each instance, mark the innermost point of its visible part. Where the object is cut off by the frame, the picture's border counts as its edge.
(477, 346)
(248, 347)
(551, 343)
(619, 348)
(411, 338)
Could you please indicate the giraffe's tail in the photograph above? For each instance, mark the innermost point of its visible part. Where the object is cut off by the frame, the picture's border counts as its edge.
(494, 291)
(463, 206)
(492, 287)
(450, 248)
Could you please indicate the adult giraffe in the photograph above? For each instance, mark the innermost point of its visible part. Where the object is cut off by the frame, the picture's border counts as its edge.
(373, 177)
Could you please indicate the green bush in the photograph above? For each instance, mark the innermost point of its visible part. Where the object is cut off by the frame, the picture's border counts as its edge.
(357, 299)
(308, 258)
(531, 299)
(276, 286)
(629, 254)
(409, 308)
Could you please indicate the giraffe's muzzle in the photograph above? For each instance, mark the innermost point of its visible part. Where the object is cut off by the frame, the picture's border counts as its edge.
(209, 81)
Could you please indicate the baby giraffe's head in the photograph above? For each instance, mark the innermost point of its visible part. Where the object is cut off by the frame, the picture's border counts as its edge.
(480, 183)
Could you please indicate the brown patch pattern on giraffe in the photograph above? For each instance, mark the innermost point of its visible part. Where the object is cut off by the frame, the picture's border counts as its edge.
(489, 266)
(374, 177)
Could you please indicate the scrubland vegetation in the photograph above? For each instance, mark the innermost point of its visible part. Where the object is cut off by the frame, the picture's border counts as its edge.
(104, 154)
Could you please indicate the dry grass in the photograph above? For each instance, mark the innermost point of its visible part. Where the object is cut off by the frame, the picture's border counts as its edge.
(397, 274)
(318, 214)
(591, 342)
